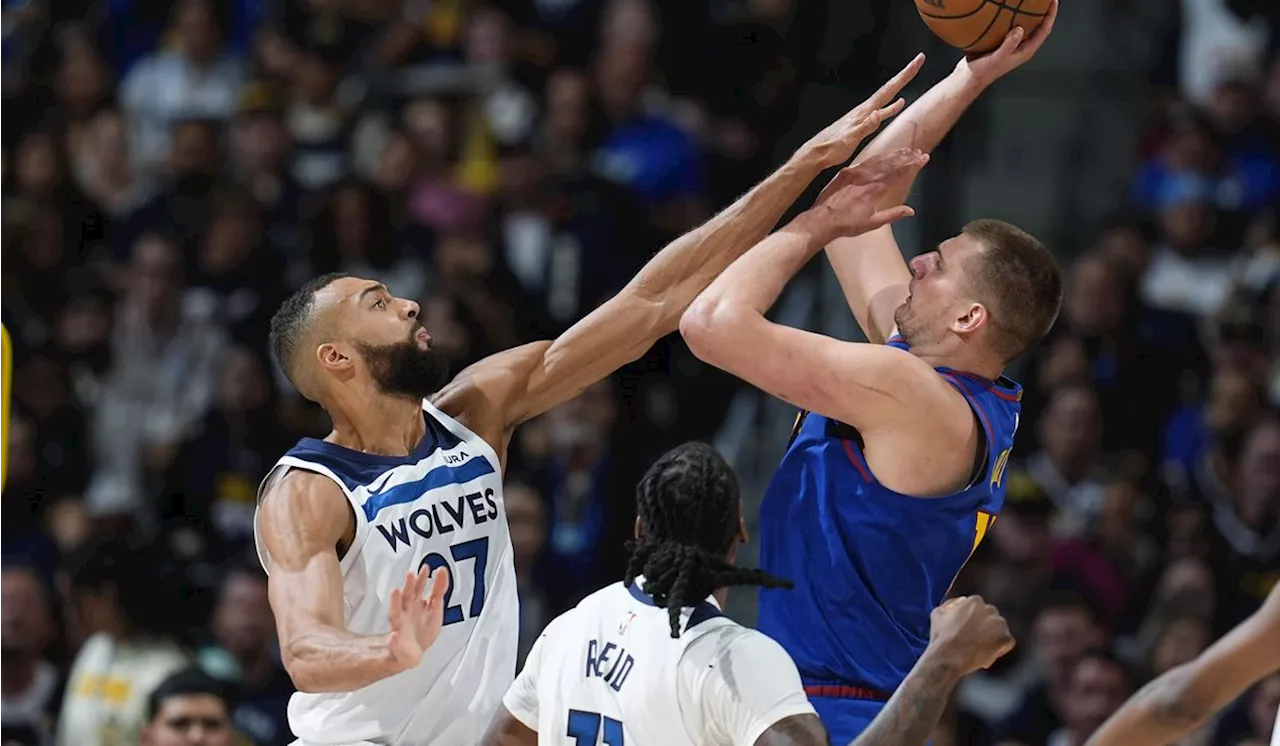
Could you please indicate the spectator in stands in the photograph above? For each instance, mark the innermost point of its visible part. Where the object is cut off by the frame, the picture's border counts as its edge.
(119, 617)
(1097, 685)
(1067, 465)
(193, 79)
(246, 656)
(1065, 629)
(188, 709)
(164, 371)
(30, 685)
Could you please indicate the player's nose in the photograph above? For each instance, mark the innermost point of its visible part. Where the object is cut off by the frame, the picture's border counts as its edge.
(918, 266)
(411, 309)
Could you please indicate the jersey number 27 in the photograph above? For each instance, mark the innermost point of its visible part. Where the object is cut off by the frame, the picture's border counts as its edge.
(585, 729)
(477, 550)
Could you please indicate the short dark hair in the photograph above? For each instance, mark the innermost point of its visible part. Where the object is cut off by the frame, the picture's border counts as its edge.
(290, 323)
(1020, 282)
(688, 504)
(187, 682)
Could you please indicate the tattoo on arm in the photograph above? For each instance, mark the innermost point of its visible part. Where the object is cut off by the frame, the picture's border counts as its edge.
(915, 708)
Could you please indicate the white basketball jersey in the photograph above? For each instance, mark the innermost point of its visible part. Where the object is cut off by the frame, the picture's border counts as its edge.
(439, 506)
(609, 672)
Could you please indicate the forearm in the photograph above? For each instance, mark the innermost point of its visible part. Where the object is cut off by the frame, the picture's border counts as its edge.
(1159, 713)
(755, 281)
(682, 270)
(917, 705)
(925, 123)
(330, 659)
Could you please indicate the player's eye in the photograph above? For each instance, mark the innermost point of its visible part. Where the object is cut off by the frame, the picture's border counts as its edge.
(380, 303)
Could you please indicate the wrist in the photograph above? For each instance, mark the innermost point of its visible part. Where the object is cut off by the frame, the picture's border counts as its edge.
(816, 226)
(944, 661)
(969, 82)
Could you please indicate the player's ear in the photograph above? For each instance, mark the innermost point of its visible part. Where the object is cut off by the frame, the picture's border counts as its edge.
(332, 356)
(973, 317)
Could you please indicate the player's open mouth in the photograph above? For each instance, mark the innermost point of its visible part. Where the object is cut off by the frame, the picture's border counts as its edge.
(423, 336)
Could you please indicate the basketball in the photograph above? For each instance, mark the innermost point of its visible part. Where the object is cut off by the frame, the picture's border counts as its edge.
(978, 26)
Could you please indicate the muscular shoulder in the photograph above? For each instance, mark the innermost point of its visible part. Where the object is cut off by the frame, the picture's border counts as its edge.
(482, 395)
(300, 511)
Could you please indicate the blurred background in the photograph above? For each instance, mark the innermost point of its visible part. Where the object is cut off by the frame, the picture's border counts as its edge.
(173, 169)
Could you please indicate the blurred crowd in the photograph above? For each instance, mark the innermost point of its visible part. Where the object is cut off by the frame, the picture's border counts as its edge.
(174, 168)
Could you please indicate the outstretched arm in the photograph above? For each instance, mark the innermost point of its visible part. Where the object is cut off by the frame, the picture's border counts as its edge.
(870, 266)
(1181, 700)
(519, 384)
(868, 386)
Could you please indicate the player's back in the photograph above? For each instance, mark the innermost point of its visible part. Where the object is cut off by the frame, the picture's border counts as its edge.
(609, 672)
(441, 505)
(870, 564)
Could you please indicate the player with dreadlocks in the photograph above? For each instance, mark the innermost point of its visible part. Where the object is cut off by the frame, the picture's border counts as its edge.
(653, 659)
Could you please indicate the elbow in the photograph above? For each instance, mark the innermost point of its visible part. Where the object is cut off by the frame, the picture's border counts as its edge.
(294, 659)
(1176, 703)
(707, 327)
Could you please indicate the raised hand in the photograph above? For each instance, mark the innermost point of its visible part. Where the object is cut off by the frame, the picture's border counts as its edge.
(850, 205)
(970, 629)
(1016, 49)
(835, 144)
(416, 619)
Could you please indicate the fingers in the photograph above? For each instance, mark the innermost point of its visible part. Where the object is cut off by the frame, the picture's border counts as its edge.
(895, 84)
(1009, 46)
(1044, 29)
(888, 166)
(870, 123)
(419, 583)
(892, 215)
(439, 584)
(396, 615)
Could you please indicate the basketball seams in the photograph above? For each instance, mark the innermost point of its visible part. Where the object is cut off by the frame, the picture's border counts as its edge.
(968, 31)
(1012, 18)
(1002, 4)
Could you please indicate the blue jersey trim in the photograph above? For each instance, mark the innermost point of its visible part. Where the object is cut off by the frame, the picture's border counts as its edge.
(438, 477)
(357, 468)
(701, 613)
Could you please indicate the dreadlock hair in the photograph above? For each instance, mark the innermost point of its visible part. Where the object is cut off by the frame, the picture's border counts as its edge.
(688, 504)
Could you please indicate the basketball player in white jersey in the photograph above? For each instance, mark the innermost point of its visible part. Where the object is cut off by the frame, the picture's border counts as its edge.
(1182, 700)
(409, 480)
(652, 660)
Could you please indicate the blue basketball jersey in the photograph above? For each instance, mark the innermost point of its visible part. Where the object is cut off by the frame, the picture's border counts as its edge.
(870, 564)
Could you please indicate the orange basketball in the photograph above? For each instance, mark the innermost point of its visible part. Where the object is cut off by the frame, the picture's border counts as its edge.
(978, 26)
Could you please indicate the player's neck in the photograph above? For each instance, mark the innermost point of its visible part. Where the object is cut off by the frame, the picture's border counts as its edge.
(720, 595)
(384, 425)
(960, 356)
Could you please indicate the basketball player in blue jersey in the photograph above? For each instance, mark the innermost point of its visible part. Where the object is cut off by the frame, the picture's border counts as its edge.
(895, 470)
(408, 483)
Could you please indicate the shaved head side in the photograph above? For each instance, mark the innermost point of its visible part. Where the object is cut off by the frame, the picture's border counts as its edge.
(293, 324)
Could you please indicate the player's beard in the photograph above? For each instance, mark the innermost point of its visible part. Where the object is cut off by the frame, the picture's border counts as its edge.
(915, 328)
(404, 368)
